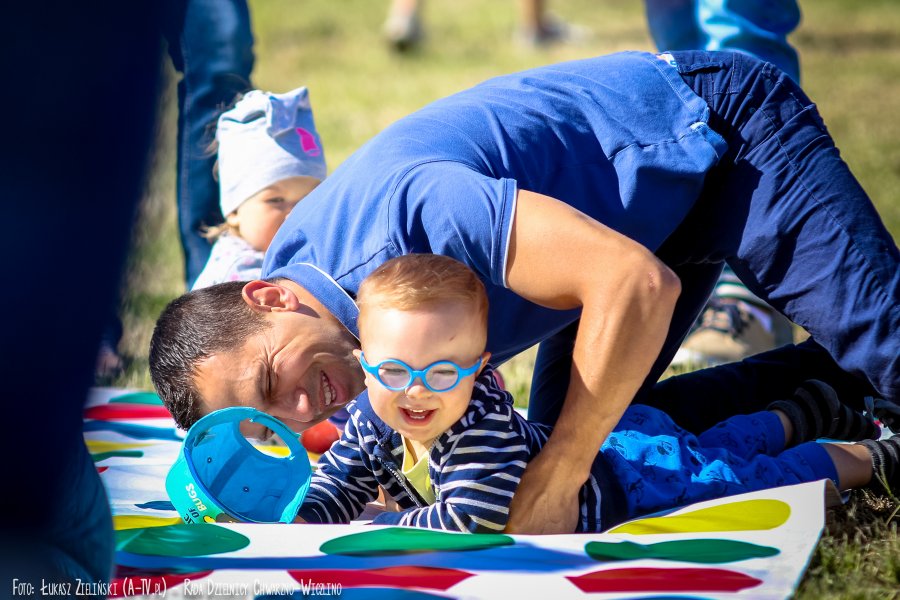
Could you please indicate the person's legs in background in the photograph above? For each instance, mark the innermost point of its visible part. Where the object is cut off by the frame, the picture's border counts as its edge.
(757, 27)
(403, 26)
(76, 142)
(537, 27)
(211, 44)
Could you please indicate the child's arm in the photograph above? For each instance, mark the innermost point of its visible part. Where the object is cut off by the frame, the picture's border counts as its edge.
(343, 483)
(478, 476)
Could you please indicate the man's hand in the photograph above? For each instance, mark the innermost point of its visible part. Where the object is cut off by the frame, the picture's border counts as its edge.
(546, 500)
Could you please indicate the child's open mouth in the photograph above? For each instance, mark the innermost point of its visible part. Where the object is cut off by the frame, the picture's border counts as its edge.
(417, 417)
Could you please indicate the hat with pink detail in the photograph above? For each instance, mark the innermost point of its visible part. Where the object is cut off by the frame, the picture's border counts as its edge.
(263, 139)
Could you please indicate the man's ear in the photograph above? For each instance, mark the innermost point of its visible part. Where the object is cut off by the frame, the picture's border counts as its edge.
(264, 296)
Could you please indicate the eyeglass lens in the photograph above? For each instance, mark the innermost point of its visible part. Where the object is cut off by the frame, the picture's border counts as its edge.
(440, 377)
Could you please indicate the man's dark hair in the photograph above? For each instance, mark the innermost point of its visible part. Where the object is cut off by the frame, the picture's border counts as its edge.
(190, 329)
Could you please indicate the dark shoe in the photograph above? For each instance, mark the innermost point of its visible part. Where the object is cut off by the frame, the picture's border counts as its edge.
(726, 332)
(816, 412)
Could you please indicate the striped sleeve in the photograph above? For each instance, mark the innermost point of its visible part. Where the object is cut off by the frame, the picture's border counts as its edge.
(343, 482)
(482, 462)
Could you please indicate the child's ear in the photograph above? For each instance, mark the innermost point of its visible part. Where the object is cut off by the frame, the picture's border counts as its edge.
(484, 361)
(233, 220)
(358, 354)
(264, 296)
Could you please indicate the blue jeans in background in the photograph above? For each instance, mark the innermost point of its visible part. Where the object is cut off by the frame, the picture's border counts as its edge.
(758, 27)
(211, 45)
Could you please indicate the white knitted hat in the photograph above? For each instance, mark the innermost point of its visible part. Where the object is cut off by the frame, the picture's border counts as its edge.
(266, 138)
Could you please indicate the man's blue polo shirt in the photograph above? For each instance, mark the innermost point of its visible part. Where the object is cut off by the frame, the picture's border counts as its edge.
(621, 138)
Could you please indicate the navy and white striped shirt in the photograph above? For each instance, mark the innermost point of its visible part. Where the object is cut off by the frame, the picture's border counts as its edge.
(475, 468)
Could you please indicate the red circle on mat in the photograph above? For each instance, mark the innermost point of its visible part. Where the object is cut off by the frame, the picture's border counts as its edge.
(664, 580)
(401, 577)
(113, 412)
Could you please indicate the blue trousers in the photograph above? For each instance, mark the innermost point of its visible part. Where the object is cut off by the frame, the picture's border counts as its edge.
(659, 465)
(758, 27)
(211, 44)
(784, 211)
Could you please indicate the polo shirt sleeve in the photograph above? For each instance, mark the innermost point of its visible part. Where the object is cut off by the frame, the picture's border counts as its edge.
(454, 209)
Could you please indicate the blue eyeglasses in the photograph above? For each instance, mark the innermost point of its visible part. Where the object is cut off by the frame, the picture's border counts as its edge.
(440, 376)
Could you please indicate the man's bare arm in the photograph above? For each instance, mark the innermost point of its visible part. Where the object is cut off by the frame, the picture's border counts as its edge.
(561, 258)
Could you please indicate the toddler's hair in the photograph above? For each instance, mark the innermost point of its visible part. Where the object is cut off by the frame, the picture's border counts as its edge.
(416, 281)
(214, 232)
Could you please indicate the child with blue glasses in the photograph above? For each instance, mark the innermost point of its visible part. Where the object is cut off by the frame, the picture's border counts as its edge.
(437, 433)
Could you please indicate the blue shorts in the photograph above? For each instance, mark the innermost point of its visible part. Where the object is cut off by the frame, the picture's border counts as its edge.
(659, 465)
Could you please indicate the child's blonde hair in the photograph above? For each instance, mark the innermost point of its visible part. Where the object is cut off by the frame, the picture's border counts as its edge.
(415, 281)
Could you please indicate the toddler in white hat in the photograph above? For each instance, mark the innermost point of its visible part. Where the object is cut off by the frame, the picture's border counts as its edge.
(269, 158)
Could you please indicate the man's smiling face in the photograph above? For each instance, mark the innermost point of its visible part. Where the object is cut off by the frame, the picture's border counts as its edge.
(300, 369)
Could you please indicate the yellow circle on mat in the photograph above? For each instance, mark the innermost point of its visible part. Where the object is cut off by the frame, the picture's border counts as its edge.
(121, 522)
(747, 515)
(100, 446)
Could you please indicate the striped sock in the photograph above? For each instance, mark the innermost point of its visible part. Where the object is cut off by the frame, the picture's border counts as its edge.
(816, 412)
(885, 464)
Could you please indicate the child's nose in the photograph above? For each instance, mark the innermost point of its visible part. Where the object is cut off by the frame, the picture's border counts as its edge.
(417, 387)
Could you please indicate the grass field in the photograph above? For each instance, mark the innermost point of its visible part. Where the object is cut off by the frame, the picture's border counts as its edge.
(850, 60)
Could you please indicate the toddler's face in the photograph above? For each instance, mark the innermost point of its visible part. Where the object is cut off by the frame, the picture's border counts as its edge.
(419, 338)
(259, 217)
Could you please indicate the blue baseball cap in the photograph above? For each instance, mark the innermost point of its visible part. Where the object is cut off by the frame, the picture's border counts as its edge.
(221, 476)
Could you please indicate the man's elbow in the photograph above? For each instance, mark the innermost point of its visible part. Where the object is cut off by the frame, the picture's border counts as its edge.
(655, 285)
(663, 282)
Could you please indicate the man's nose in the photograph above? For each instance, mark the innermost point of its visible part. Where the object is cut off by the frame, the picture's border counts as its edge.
(296, 404)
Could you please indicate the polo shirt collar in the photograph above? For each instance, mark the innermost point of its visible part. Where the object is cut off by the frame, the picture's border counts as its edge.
(325, 289)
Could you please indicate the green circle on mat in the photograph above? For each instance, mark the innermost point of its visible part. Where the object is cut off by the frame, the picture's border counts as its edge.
(181, 540)
(401, 540)
(698, 551)
(137, 398)
(116, 454)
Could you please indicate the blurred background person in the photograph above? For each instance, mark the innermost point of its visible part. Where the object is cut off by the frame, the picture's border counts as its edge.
(211, 45)
(537, 27)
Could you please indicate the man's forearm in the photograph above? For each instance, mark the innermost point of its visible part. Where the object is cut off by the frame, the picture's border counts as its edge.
(617, 342)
